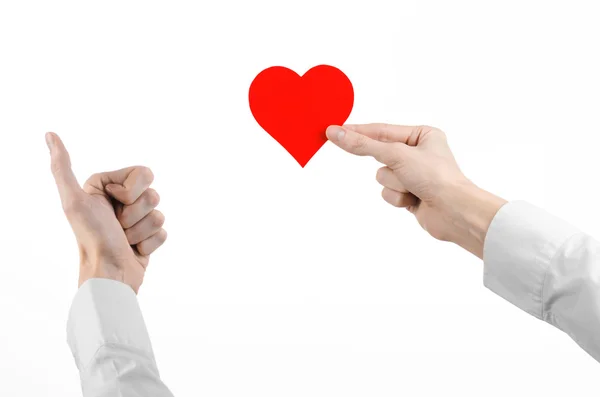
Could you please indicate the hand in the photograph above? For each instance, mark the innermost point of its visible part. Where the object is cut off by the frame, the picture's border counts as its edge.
(421, 175)
(113, 218)
(419, 167)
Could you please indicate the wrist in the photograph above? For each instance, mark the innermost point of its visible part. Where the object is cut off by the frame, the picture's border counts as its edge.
(100, 270)
(468, 211)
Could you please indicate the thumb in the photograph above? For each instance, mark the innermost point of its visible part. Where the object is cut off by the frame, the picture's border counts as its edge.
(67, 184)
(359, 144)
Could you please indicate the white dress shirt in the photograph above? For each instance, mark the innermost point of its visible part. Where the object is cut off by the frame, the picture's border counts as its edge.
(533, 259)
(548, 268)
(110, 343)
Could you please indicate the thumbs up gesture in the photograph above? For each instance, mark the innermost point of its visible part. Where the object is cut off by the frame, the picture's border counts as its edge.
(113, 217)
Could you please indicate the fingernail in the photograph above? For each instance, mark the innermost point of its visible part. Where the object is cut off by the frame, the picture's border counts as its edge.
(335, 132)
(49, 140)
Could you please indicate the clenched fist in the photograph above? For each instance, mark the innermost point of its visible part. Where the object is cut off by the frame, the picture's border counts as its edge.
(113, 217)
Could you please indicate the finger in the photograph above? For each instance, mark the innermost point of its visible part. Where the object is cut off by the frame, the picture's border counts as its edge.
(152, 243)
(132, 214)
(145, 228)
(384, 132)
(398, 199)
(67, 184)
(125, 185)
(386, 177)
(359, 144)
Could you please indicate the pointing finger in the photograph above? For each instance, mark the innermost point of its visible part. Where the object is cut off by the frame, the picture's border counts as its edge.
(127, 192)
(126, 185)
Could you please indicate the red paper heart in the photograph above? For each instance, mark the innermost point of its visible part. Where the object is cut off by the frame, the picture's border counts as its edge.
(295, 110)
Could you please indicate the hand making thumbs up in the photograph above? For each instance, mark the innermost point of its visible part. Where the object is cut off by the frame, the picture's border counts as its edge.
(113, 217)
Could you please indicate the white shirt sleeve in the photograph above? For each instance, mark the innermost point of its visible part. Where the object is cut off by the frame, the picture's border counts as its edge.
(548, 268)
(110, 343)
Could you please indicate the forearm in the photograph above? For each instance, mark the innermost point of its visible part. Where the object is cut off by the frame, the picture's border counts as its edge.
(538, 262)
(468, 212)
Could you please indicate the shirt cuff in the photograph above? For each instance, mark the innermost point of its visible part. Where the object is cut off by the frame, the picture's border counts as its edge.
(105, 312)
(520, 243)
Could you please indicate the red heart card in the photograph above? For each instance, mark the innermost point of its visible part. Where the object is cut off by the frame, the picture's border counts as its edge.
(295, 110)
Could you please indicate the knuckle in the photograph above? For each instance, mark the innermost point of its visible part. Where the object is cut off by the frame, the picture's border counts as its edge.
(141, 247)
(130, 234)
(384, 194)
(395, 159)
(380, 175)
(417, 134)
(396, 200)
(359, 144)
(153, 197)
(55, 167)
(395, 163)
(436, 131)
(90, 181)
(158, 218)
(423, 130)
(400, 200)
(58, 165)
(390, 197)
(383, 132)
(127, 197)
(73, 206)
(124, 219)
(146, 173)
(162, 236)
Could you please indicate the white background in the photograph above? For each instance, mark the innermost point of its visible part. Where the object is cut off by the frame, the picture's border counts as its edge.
(278, 280)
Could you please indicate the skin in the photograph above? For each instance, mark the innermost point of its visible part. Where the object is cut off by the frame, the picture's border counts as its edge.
(117, 226)
(421, 175)
(113, 217)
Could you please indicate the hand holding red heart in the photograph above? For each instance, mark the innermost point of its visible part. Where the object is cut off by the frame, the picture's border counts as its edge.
(112, 216)
(421, 175)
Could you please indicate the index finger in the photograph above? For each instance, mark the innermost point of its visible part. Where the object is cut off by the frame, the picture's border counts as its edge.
(126, 184)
